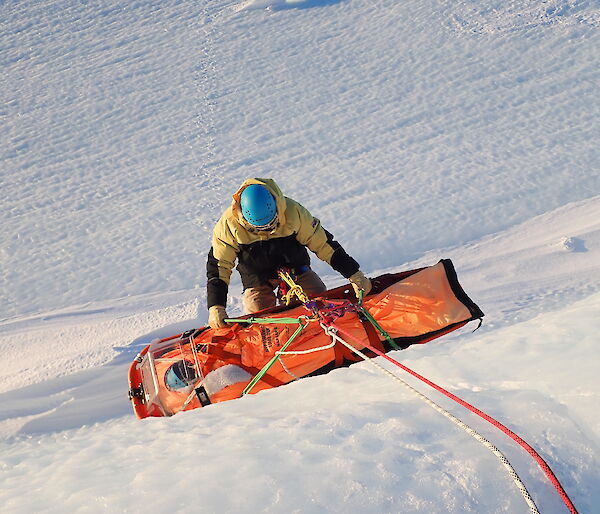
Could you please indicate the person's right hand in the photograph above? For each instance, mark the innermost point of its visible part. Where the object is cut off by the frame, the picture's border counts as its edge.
(216, 316)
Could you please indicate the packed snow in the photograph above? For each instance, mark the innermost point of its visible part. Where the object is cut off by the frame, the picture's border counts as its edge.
(414, 130)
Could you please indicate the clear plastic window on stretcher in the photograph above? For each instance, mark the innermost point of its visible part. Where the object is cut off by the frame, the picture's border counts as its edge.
(169, 375)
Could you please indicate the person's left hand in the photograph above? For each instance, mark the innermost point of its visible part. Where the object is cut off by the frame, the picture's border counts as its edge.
(360, 283)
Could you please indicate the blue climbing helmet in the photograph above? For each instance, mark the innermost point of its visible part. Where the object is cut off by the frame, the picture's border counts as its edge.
(180, 375)
(258, 206)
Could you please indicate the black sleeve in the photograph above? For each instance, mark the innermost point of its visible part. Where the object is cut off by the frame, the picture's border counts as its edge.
(340, 260)
(216, 288)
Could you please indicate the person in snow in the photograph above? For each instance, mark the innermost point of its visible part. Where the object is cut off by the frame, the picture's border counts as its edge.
(265, 231)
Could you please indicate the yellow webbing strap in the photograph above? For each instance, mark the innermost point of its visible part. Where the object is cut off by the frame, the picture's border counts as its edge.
(295, 289)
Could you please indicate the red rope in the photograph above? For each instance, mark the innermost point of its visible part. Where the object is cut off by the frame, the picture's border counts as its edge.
(542, 463)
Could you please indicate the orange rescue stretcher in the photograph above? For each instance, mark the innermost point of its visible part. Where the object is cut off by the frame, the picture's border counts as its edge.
(282, 344)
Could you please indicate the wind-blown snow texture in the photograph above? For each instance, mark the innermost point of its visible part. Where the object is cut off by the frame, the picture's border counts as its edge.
(415, 130)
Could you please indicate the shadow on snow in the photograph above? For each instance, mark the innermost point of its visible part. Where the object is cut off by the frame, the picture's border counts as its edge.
(83, 398)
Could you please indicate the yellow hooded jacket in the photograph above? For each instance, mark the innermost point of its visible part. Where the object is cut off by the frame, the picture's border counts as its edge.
(260, 253)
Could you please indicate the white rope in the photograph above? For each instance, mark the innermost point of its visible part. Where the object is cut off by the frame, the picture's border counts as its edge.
(285, 368)
(511, 471)
(301, 352)
(304, 352)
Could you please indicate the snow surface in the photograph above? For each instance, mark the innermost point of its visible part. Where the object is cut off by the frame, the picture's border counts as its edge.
(415, 130)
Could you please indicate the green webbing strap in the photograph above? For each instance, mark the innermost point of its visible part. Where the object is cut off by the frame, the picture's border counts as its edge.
(373, 321)
(287, 321)
(267, 366)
